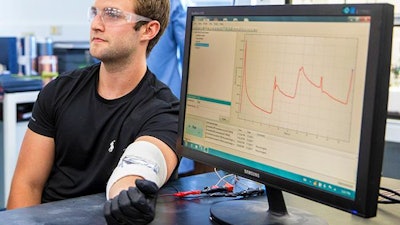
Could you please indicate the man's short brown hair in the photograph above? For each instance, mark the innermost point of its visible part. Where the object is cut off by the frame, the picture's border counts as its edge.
(155, 10)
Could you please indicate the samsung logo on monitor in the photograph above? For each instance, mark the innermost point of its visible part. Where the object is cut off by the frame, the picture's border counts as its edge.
(196, 13)
(251, 173)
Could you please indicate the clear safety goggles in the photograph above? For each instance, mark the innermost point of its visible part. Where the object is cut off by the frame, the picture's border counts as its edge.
(115, 17)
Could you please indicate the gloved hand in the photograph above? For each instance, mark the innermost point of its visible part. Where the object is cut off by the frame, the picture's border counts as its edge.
(133, 206)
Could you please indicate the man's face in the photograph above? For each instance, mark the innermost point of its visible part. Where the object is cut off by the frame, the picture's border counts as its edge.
(112, 37)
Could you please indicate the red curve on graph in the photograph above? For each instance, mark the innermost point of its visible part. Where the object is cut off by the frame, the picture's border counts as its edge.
(300, 74)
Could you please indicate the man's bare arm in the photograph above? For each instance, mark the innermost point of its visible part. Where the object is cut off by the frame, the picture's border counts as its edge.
(33, 167)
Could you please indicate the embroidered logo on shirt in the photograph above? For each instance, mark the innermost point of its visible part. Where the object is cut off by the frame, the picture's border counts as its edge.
(111, 148)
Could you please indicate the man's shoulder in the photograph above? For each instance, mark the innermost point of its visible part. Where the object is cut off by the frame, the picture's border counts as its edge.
(159, 87)
(71, 80)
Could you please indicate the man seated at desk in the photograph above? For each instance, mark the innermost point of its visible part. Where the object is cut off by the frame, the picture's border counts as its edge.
(106, 127)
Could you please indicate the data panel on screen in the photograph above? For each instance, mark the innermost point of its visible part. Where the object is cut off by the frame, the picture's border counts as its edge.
(282, 91)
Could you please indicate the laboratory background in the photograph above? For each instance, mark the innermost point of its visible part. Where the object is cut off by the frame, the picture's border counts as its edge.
(53, 38)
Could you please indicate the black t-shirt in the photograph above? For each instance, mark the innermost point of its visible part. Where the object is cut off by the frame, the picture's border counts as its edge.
(91, 132)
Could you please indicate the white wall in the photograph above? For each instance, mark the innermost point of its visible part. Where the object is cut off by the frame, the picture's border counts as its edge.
(61, 20)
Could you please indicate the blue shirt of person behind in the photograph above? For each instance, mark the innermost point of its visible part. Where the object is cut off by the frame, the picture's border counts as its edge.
(165, 60)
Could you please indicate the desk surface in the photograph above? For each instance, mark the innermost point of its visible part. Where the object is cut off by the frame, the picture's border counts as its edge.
(170, 210)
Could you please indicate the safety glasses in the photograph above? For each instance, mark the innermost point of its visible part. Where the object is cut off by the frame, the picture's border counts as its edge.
(115, 17)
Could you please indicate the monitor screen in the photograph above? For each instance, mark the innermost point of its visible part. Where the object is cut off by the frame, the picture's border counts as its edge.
(293, 96)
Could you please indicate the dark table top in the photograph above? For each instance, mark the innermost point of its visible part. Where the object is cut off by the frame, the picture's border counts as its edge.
(88, 210)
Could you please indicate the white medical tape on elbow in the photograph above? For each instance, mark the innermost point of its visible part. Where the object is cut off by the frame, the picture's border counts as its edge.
(143, 159)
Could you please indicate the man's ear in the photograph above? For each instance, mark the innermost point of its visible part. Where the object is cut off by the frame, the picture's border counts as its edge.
(151, 30)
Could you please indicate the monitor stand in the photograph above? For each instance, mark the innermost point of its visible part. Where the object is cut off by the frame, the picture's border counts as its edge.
(252, 212)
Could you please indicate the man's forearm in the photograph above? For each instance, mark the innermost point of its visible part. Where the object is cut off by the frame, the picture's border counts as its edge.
(23, 197)
(122, 184)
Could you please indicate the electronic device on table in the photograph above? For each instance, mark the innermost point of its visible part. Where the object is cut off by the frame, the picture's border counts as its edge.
(293, 96)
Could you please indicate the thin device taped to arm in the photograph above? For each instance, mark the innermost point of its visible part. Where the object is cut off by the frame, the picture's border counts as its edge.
(141, 158)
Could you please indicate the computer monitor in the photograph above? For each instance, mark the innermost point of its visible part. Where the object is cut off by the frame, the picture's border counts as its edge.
(292, 96)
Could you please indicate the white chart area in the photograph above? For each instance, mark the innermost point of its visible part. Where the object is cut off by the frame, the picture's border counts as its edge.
(299, 84)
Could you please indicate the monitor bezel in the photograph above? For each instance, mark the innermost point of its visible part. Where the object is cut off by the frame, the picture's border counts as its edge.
(374, 106)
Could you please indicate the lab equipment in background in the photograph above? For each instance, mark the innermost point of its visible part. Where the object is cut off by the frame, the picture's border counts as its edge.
(72, 55)
(28, 55)
(47, 62)
(9, 54)
(45, 47)
(3, 69)
(10, 83)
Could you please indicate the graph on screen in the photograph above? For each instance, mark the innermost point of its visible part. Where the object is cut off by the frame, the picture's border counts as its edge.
(297, 85)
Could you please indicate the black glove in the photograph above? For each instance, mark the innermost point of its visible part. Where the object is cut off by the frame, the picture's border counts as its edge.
(134, 206)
